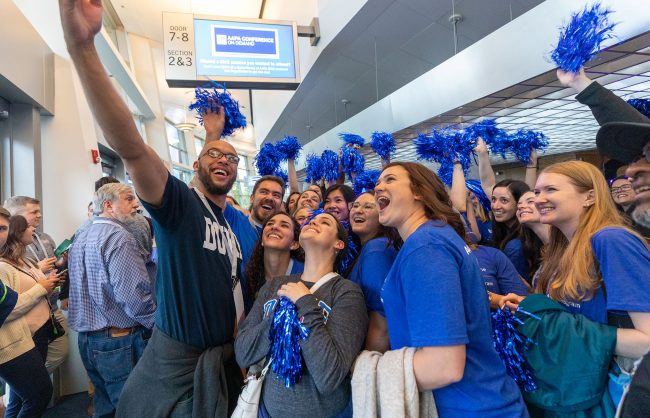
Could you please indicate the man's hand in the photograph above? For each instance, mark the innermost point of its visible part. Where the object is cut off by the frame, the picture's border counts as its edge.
(577, 81)
(81, 20)
(214, 120)
(46, 264)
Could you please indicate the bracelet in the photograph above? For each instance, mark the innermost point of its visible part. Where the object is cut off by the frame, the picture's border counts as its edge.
(533, 166)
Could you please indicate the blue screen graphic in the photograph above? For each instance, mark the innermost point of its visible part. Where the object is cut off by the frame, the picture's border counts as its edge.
(240, 49)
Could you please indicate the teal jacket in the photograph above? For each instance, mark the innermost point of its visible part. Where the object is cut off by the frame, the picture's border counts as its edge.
(570, 360)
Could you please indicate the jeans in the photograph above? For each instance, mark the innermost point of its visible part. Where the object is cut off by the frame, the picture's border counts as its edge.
(30, 384)
(109, 361)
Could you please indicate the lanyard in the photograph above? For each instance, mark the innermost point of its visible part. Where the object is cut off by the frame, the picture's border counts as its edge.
(230, 234)
(326, 278)
(238, 295)
(40, 243)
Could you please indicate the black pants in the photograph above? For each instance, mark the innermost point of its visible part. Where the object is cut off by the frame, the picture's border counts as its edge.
(30, 392)
(637, 401)
(29, 382)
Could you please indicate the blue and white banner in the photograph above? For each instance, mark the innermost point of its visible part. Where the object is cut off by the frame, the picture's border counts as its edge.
(244, 42)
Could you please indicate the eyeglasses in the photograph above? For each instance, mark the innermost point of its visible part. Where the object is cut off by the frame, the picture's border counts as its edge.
(367, 206)
(216, 154)
(623, 188)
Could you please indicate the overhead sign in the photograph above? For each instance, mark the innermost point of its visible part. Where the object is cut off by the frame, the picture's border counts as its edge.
(241, 53)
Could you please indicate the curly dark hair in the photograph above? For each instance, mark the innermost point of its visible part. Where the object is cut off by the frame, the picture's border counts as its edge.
(255, 267)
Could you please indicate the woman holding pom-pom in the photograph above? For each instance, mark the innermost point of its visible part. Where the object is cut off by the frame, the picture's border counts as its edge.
(334, 311)
(434, 299)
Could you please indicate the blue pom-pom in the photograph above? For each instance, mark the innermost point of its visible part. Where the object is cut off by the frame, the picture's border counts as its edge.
(352, 161)
(365, 181)
(435, 146)
(475, 187)
(500, 144)
(289, 147)
(314, 213)
(642, 105)
(523, 141)
(352, 139)
(208, 97)
(445, 172)
(383, 144)
(486, 129)
(267, 160)
(581, 39)
(330, 162)
(313, 169)
(444, 147)
(282, 174)
(285, 335)
(351, 252)
(511, 346)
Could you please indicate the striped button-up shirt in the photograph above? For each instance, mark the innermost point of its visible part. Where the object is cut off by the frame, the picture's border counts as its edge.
(109, 284)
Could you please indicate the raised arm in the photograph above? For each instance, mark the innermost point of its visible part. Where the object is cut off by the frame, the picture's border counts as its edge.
(458, 192)
(531, 170)
(485, 172)
(604, 104)
(293, 177)
(82, 20)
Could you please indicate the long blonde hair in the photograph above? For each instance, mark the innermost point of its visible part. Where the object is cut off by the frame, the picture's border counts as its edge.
(569, 271)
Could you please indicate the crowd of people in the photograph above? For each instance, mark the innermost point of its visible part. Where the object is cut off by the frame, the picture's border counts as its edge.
(173, 309)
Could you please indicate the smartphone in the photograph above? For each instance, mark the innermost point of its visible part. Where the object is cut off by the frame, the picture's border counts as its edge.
(62, 272)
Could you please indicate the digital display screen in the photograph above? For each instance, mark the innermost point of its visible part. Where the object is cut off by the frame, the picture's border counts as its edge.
(226, 49)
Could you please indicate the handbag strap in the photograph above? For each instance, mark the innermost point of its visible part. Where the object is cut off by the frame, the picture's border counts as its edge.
(266, 368)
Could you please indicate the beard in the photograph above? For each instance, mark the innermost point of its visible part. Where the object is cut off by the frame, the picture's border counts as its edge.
(210, 186)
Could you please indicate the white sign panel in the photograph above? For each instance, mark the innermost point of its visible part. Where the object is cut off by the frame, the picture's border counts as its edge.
(180, 61)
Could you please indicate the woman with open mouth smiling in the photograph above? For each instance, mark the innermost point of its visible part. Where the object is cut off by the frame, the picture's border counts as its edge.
(334, 311)
(277, 252)
(371, 268)
(434, 299)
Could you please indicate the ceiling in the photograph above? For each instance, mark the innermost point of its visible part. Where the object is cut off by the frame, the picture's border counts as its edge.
(385, 46)
(144, 18)
(542, 104)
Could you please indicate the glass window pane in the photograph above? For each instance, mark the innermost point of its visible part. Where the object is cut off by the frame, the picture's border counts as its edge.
(172, 134)
(198, 145)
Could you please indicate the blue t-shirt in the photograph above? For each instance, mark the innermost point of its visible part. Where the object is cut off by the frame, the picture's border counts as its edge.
(434, 296)
(297, 267)
(371, 269)
(485, 228)
(194, 287)
(247, 236)
(624, 263)
(498, 273)
(514, 249)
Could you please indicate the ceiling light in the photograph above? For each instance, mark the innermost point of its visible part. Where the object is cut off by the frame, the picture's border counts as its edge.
(185, 126)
